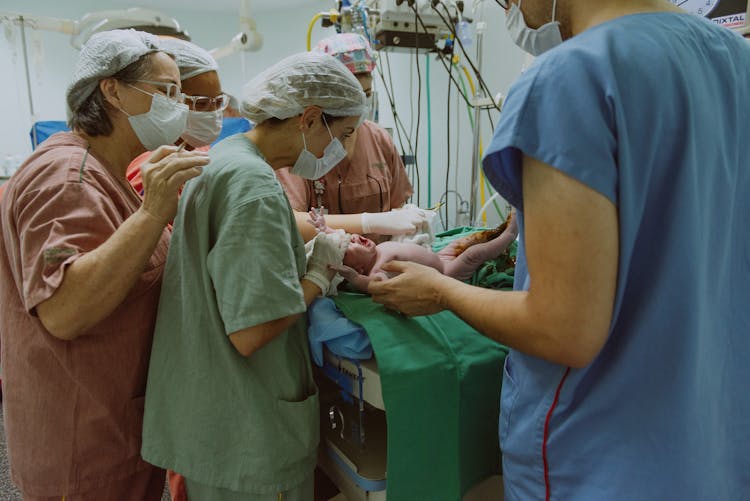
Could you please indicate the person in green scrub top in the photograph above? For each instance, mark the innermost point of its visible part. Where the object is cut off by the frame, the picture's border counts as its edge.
(230, 400)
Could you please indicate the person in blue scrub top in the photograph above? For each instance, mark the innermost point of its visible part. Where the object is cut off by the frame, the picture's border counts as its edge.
(624, 149)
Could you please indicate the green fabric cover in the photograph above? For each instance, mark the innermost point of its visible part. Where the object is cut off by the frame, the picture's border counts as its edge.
(496, 273)
(441, 387)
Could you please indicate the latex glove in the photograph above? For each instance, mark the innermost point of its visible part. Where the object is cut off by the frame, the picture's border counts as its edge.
(396, 222)
(328, 250)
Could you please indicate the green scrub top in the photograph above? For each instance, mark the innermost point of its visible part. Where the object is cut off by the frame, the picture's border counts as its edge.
(235, 261)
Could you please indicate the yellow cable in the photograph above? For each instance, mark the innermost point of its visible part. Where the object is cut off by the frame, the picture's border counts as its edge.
(468, 77)
(311, 26)
(332, 15)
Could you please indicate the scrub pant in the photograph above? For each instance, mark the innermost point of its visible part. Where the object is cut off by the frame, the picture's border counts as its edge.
(200, 492)
(146, 485)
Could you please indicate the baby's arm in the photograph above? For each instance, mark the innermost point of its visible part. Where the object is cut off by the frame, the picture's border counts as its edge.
(402, 251)
(319, 221)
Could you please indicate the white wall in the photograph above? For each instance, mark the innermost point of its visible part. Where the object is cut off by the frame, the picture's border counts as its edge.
(51, 59)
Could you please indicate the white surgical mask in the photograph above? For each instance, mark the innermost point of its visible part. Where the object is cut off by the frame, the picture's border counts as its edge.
(309, 166)
(203, 127)
(532, 41)
(162, 124)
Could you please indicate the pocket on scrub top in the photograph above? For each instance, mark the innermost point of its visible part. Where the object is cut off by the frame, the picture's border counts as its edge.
(298, 424)
(508, 396)
(369, 195)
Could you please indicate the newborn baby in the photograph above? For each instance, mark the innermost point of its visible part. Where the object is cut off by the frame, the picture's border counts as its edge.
(363, 258)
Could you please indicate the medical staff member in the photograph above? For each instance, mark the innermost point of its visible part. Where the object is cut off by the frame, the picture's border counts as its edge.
(206, 104)
(81, 263)
(629, 325)
(372, 178)
(206, 101)
(231, 330)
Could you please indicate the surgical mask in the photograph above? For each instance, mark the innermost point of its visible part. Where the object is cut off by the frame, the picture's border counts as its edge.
(309, 166)
(533, 41)
(162, 124)
(203, 127)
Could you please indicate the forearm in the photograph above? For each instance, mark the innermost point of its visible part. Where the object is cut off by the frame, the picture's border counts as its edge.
(97, 283)
(518, 320)
(351, 223)
(248, 341)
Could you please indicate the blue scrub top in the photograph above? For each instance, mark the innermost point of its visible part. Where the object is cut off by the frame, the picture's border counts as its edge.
(653, 112)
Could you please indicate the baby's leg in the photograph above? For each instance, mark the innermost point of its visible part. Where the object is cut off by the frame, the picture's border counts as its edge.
(472, 258)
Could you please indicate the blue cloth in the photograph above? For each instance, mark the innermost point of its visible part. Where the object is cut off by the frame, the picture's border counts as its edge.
(44, 129)
(329, 327)
(653, 112)
(231, 126)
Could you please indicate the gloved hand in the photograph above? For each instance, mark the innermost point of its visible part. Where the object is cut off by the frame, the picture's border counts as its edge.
(396, 222)
(328, 249)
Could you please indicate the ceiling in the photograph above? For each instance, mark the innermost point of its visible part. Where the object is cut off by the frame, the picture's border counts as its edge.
(222, 6)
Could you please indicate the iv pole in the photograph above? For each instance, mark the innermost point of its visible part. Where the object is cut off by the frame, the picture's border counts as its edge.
(475, 157)
(28, 82)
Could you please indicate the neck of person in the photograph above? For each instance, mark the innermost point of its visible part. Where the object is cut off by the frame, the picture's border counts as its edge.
(115, 151)
(589, 13)
(275, 144)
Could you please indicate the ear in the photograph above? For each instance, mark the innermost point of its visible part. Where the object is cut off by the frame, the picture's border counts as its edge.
(110, 89)
(311, 116)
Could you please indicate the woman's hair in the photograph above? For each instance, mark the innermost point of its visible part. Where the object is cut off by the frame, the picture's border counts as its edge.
(92, 116)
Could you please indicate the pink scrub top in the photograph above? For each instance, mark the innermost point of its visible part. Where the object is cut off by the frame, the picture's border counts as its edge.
(372, 179)
(73, 409)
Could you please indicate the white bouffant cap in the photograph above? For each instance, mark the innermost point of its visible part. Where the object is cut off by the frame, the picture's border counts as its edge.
(306, 79)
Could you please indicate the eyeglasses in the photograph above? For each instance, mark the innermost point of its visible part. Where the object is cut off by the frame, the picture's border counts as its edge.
(171, 90)
(503, 4)
(203, 103)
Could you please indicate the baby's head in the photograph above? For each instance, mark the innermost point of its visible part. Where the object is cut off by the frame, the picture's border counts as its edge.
(361, 254)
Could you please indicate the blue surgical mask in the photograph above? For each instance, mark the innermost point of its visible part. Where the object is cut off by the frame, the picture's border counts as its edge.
(533, 41)
(309, 166)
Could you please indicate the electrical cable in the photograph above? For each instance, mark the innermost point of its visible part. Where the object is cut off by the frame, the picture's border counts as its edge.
(483, 179)
(396, 117)
(457, 161)
(399, 124)
(448, 130)
(452, 29)
(444, 196)
(429, 133)
(481, 81)
(424, 27)
(463, 86)
(419, 88)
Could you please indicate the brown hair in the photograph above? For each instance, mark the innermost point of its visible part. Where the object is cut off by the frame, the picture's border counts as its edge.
(91, 116)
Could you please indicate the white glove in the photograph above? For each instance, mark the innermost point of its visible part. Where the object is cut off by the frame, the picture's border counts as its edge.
(327, 249)
(396, 222)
